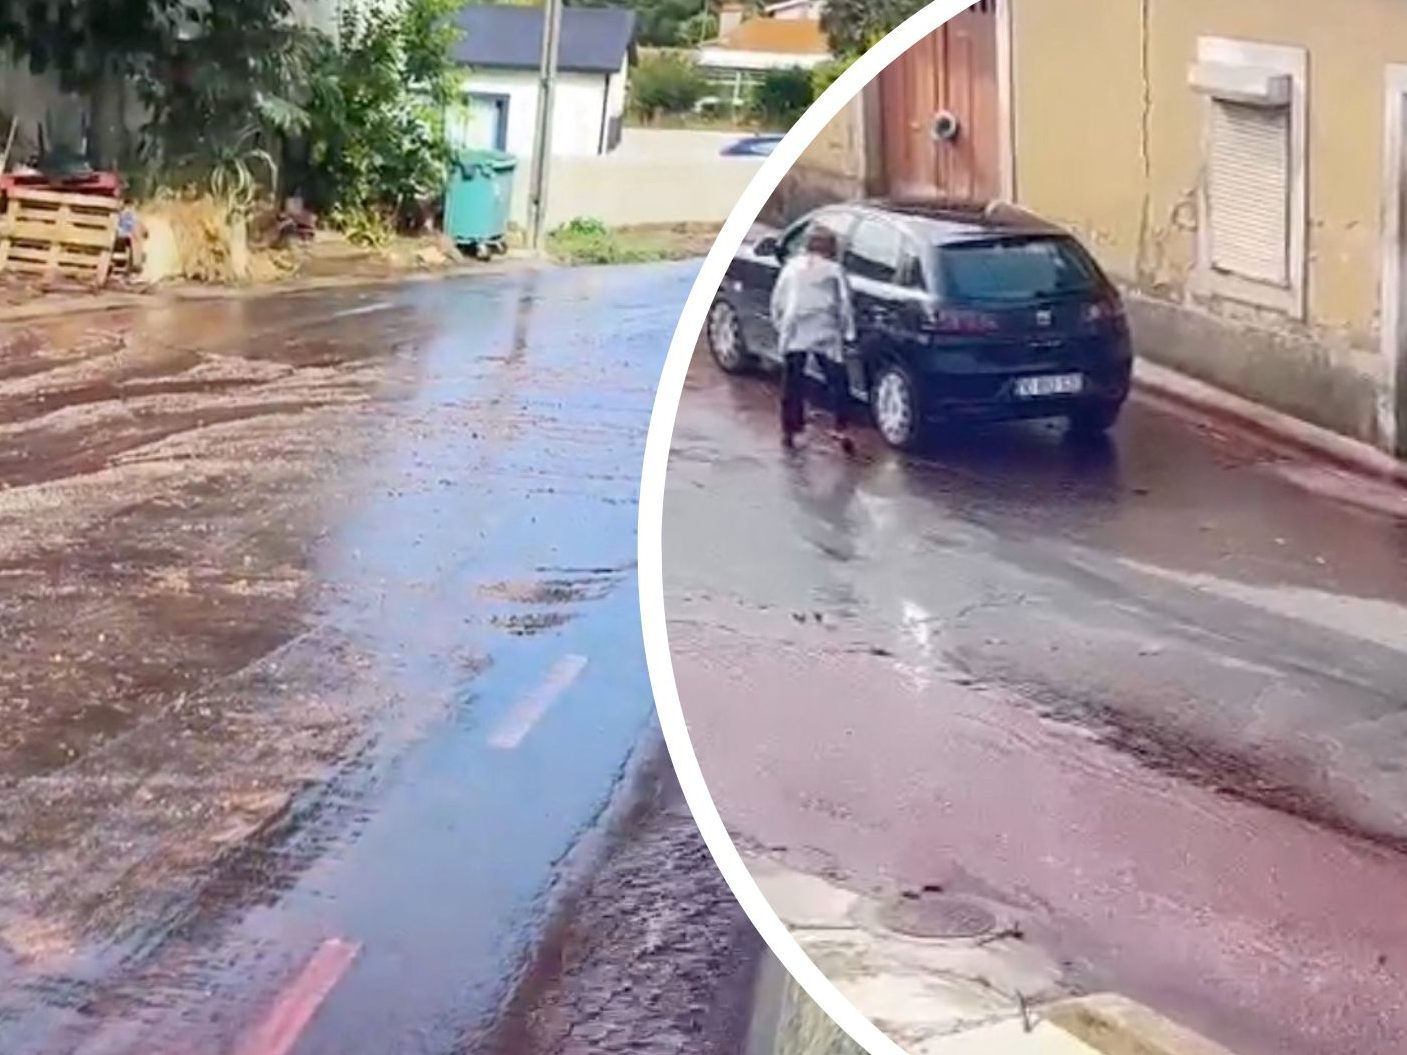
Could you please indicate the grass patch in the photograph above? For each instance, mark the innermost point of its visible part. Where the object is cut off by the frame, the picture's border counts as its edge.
(586, 242)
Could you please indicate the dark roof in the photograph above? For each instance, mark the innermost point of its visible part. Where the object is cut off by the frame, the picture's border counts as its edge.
(594, 39)
(957, 221)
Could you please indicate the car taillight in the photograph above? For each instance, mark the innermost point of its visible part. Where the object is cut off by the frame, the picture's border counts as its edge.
(1104, 311)
(962, 321)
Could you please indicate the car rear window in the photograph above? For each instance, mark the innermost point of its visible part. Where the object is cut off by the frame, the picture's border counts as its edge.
(1015, 269)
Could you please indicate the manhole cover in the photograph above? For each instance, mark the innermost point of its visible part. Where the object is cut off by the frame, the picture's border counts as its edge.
(931, 914)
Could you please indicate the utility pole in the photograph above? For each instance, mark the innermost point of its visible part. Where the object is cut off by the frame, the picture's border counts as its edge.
(542, 142)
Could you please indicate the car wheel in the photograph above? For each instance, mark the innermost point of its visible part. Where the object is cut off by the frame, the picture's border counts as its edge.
(725, 338)
(1095, 419)
(895, 408)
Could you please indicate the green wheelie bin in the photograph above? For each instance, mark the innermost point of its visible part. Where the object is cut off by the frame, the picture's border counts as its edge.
(478, 199)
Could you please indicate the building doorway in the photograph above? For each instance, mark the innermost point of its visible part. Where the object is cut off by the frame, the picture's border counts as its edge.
(951, 73)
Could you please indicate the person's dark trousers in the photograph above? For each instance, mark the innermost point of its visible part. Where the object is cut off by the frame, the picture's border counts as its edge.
(837, 390)
(794, 392)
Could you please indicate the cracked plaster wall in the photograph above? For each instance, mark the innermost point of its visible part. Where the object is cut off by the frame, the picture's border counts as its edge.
(1108, 140)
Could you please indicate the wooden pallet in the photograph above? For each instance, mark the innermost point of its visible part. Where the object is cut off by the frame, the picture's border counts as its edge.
(57, 234)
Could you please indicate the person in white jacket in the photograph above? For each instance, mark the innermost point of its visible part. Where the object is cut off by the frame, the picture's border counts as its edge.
(813, 316)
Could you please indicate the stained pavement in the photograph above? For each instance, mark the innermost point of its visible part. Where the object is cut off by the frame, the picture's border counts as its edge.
(1144, 700)
(323, 656)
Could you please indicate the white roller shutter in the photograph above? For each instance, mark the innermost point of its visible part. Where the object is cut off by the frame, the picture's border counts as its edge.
(1248, 194)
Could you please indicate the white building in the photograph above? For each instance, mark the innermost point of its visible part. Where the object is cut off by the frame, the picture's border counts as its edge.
(786, 35)
(789, 10)
(501, 50)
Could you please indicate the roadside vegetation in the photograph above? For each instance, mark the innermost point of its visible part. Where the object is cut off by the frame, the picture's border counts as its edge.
(245, 108)
(669, 89)
(671, 23)
(587, 241)
(855, 26)
(249, 116)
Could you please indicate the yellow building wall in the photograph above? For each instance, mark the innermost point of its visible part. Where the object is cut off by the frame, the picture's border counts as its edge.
(1076, 102)
(1080, 90)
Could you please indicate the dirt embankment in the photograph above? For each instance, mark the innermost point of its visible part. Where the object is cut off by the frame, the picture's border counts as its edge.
(652, 956)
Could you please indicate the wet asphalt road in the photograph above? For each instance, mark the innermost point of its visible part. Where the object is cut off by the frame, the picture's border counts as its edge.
(1149, 696)
(324, 656)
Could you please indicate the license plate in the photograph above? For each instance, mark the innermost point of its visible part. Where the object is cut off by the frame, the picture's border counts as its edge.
(1049, 385)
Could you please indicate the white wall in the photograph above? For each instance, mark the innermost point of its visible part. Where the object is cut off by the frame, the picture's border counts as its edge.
(644, 182)
(620, 80)
(813, 10)
(576, 125)
(713, 59)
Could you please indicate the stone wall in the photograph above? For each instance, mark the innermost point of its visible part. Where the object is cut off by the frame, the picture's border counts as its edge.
(834, 167)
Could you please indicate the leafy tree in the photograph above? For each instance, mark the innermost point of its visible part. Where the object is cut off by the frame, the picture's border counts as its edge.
(827, 73)
(694, 30)
(428, 35)
(375, 134)
(210, 73)
(669, 23)
(659, 21)
(666, 84)
(231, 82)
(82, 40)
(855, 26)
(782, 96)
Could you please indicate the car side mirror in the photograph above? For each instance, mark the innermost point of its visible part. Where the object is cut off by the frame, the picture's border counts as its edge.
(769, 246)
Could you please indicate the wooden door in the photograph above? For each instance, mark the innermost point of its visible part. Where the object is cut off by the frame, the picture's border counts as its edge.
(953, 69)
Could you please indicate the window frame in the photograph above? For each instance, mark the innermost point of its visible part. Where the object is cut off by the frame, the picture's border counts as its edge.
(913, 268)
(881, 223)
(1067, 243)
(1208, 282)
(841, 221)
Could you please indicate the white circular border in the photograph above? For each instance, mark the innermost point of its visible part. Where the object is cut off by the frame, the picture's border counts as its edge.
(652, 609)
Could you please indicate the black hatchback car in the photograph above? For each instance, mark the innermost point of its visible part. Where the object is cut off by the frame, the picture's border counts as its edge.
(963, 313)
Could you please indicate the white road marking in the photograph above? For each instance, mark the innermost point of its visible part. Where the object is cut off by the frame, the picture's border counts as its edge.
(1370, 619)
(916, 619)
(365, 309)
(528, 711)
(879, 510)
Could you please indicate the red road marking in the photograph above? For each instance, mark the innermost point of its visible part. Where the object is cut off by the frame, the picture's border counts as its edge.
(297, 1004)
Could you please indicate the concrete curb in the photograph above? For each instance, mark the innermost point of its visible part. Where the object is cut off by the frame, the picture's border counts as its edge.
(1113, 1025)
(1162, 383)
(1104, 1024)
(990, 994)
(787, 1022)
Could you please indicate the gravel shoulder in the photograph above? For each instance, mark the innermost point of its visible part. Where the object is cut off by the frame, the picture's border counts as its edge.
(650, 955)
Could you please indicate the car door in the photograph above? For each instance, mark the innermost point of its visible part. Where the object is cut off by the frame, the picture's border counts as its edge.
(753, 292)
(886, 283)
